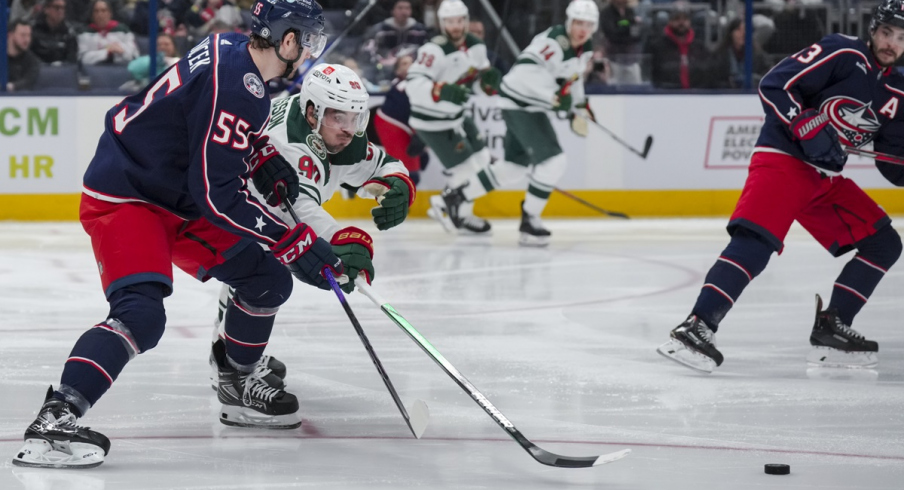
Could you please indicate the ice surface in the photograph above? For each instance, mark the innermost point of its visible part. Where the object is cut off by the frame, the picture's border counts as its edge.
(561, 340)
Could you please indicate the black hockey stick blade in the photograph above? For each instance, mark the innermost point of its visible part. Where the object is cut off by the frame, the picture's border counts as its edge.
(614, 214)
(539, 454)
(646, 147)
(418, 416)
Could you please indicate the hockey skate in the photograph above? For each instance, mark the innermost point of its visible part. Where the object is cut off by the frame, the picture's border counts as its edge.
(693, 345)
(454, 213)
(271, 369)
(54, 441)
(533, 233)
(248, 401)
(838, 345)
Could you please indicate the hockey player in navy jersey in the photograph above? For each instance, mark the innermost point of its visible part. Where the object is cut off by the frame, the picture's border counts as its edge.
(168, 185)
(838, 92)
(323, 129)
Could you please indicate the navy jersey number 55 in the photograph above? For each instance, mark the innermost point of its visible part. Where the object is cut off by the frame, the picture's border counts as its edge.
(180, 143)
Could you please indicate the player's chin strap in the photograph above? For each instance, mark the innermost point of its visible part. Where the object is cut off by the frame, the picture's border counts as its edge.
(290, 64)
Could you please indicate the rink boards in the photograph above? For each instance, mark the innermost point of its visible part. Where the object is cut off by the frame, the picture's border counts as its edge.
(696, 167)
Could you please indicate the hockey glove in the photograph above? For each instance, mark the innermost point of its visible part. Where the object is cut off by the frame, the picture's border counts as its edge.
(818, 140)
(562, 101)
(579, 118)
(355, 247)
(394, 202)
(451, 92)
(306, 256)
(415, 147)
(490, 80)
(268, 170)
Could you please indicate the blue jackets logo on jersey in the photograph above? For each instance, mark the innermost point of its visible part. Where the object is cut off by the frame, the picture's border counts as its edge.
(254, 85)
(855, 121)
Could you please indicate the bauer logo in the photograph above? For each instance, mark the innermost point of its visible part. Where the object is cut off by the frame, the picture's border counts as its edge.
(731, 141)
(254, 85)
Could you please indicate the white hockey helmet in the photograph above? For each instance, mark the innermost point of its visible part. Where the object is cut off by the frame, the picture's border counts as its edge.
(585, 10)
(336, 87)
(450, 9)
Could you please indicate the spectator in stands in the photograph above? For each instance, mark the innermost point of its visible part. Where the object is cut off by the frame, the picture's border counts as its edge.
(728, 59)
(22, 64)
(677, 57)
(621, 28)
(54, 39)
(795, 28)
(27, 10)
(391, 123)
(477, 28)
(397, 30)
(79, 11)
(105, 40)
(140, 67)
(207, 12)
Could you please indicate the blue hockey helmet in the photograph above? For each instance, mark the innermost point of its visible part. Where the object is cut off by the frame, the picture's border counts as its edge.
(889, 12)
(272, 19)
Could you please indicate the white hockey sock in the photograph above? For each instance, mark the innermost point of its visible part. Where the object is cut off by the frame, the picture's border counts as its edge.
(534, 205)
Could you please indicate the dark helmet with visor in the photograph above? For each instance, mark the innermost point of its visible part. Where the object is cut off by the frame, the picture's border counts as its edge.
(272, 19)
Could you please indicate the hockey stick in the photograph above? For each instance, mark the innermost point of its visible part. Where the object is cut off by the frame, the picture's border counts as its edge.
(646, 146)
(541, 455)
(875, 155)
(614, 214)
(500, 26)
(329, 49)
(419, 415)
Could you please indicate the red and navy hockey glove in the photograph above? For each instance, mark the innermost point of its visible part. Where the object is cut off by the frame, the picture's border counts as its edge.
(268, 170)
(818, 140)
(356, 249)
(307, 256)
(394, 203)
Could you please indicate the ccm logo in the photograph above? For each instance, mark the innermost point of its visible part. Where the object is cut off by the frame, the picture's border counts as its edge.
(299, 248)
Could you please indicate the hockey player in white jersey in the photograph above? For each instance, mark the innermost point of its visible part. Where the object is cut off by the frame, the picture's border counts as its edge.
(321, 133)
(439, 83)
(548, 77)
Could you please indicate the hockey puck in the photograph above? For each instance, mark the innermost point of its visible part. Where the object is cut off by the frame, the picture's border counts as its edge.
(778, 469)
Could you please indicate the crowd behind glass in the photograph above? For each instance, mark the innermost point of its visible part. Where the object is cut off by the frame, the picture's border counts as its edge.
(102, 45)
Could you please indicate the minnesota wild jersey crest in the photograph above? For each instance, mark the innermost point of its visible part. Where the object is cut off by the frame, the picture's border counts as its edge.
(315, 143)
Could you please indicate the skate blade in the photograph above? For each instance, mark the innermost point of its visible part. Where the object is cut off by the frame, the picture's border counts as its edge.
(444, 220)
(245, 417)
(678, 352)
(466, 232)
(38, 453)
(828, 357)
(527, 240)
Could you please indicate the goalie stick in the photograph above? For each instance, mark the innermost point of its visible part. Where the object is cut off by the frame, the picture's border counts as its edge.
(541, 455)
(418, 417)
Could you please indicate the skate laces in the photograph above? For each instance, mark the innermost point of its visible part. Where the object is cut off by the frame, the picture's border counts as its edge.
(262, 369)
(61, 419)
(702, 330)
(846, 330)
(255, 387)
